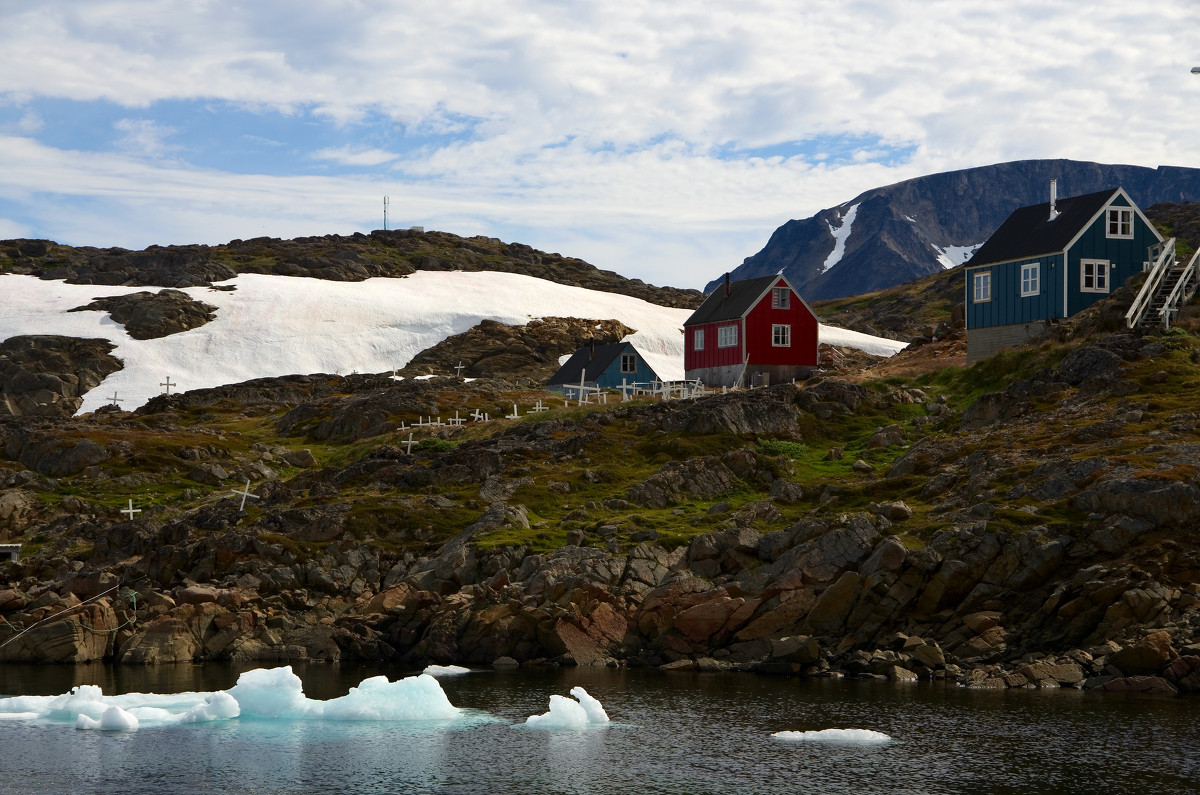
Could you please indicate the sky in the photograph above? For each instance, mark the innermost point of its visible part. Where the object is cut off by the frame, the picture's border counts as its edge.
(661, 140)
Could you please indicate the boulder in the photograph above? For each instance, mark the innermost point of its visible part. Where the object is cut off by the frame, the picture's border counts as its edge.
(1147, 657)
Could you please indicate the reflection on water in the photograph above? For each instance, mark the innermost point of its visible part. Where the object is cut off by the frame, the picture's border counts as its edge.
(678, 733)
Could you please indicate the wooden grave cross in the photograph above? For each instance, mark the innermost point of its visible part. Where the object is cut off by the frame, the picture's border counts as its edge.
(168, 384)
(131, 510)
(245, 492)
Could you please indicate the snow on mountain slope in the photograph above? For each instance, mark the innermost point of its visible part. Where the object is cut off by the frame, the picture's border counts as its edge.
(278, 325)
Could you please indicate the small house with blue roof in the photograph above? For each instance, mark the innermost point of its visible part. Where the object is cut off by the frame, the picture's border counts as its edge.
(604, 367)
(1050, 261)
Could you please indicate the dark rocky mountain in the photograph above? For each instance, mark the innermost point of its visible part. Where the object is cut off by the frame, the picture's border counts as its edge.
(897, 233)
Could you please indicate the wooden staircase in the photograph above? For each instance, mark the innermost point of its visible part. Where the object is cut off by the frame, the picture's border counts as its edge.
(1167, 289)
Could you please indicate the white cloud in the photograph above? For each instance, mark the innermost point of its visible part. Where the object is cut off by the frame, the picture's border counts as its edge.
(354, 156)
(144, 137)
(596, 124)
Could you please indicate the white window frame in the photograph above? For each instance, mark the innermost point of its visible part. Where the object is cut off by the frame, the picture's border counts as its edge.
(1099, 271)
(781, 298)
(632, 359)
(982, 287)
(727, 336)
(1031, 279)
(698, 339)
(1120, 218)
(781, 335)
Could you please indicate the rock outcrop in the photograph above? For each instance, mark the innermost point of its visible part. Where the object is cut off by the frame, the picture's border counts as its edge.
(148, 315)
(47, 376)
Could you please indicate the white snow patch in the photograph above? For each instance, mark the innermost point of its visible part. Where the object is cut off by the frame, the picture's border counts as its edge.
(278, 325)
(840, 235)
(567, 714)
(446, 670)
(845, 338)
(910, 219)
(953, 256)
(836, 737)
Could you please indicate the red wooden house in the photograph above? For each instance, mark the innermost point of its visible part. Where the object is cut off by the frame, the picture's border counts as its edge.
(757, 331)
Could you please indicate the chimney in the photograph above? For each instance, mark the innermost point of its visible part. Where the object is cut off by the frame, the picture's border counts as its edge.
(727, 284)
(1053, 198)
(591, 349)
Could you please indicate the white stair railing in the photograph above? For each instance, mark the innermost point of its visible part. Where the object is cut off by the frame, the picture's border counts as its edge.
(1183, 291)
(1158, 271)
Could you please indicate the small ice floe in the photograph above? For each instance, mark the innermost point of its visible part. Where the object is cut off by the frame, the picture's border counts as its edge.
(836, 737)
(567, 714)
(445, 670)
(278, 693)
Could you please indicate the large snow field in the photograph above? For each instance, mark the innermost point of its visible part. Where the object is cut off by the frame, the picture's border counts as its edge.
(280, 325)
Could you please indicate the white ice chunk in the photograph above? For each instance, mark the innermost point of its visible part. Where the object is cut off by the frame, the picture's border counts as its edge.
(112, 719)
(836, 736)
(270, 693)
(278, 693)
(591, 706)
(217, 706)
(567, 714)
(413, 698)
(446, 670)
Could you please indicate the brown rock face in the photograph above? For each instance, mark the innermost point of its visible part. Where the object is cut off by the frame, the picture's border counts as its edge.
(47, 376)
(84, 634)
(1146, 658)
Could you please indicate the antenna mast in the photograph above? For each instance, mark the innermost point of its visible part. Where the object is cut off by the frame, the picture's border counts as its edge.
(385, 205)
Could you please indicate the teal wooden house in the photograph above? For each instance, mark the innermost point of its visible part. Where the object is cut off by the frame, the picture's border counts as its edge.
(603, 366)
(1050, 261)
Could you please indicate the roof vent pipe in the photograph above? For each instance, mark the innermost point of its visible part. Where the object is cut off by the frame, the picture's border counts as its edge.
(727, 284)
(1053, 198)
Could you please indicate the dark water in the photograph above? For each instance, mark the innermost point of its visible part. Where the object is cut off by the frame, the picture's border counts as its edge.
(677, 733)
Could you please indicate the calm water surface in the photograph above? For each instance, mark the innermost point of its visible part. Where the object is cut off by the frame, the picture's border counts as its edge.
(677, 733)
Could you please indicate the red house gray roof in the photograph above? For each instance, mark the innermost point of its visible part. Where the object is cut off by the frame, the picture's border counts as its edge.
(742, 296)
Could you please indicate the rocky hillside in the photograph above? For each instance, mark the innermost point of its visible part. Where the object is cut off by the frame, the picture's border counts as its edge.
(1024, 521)
(905, 231)
(336, 257)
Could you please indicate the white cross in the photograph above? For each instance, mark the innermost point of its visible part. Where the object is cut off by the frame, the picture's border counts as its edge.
(168, 384)
(477, 415)
(515, 415)
(245, 493)
(456, 420)
(408, 443)
(539, 407)
(459, 368)
(114, 396)
(131, 510)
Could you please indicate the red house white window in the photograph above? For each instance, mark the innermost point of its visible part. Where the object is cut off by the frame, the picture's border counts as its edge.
(727, 336)
(698, 339)
(781, 336)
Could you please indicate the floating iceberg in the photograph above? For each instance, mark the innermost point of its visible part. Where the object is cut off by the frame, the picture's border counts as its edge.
(567, 714)
(275, 693)
(836, 737)
(446, 670)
